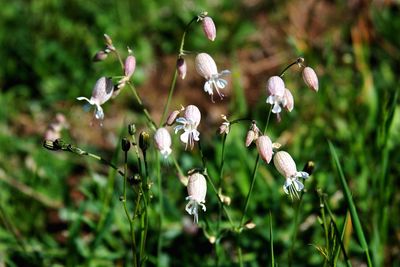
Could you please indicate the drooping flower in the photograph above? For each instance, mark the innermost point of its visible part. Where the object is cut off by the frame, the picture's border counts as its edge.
(289, 100)
(102, 92)
(206, 67)
(264, 147)
(181, 67)
(310, 78)
(276, 92)
(209, 28)
(173, 115)
(197, 190)
(189, 123)
(286, 166)
(163, 141)
(129, 69)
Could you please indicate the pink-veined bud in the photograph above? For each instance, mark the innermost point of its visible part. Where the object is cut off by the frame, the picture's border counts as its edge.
(289, 100)
(100, 56)
(205, 65)
(102, 90)
(310, 78)
(181, 67)
(209, 28)
(285, 164)
(172, 117)
(275, 86)
(129, 66)
(163, 141)
(252, 134)
(192, 113)
(264, 147)
(197, 190)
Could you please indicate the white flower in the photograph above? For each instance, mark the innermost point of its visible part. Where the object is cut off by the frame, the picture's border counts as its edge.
(276, 92)
(102, 92)
(207, 68)
(163, 142)
(286, 166)
(197, 190)
(189, 122)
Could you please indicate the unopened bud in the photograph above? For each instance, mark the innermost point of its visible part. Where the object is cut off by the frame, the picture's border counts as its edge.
(100, 56)
(209, 28)
(172, 117)
(212, 239)
(181, 67)
(163, 141)
(249, 225)
(107, 39)
(129, 66)
(144, 139)
(309, 167)
(132, 129)
(125, 144)
(49, 144)
(289, 100)
(264, 146)
(284, 164)
(310, 78)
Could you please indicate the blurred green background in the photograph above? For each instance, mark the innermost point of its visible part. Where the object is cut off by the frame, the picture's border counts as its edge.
(57, 209)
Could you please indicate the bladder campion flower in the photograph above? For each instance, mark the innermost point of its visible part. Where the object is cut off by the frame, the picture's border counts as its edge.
(189, 121)
(289, 100)
(264, 147)
(206, 67)
(181, 67)
(163, 142)
(197, 189)
(102, 91)
(310, 78)
(209, 28)
(286, 166)
(276, 92)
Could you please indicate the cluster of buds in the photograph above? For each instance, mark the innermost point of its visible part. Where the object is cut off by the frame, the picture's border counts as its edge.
(101, 93)
(252, 134)
(197, 190)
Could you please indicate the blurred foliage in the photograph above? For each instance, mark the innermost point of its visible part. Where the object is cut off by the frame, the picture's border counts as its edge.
(62, 210)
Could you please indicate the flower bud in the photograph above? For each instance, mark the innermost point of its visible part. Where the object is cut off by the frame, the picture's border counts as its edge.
(49, 144)
(181, 67)
(197, 187)
(250, 137)
(144, 141)
(275, 86)
(309, 167)
(100, 56)
(125, 144)
(289, 100)
(264, 147)
(310, 78)
(163, 141)
(285, 164)
(205, 65)
(172, 117)
(209, 28)
(129, 66)
(132, 129)
(107, 39)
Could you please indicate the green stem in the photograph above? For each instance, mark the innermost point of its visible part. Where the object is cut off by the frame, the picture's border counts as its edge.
(173, 83)
(146, 113)
(161, 211)
(271, 237)
(298, 61)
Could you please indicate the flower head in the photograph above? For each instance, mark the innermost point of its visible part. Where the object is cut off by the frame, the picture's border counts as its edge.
(264, 147)
(286, 166)
(163, 142)
(197, 190)
(189, 123)
(206, 67)
(209, 28)
(102, 92)
(276, 92)
(310, 78)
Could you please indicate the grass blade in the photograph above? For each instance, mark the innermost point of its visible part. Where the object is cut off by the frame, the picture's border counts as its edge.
(350, 203)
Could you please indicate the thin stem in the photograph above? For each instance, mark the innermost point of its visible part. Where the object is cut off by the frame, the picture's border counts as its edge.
(140, 102)
(133, 242)
(11, 228)
(271, 237)
(298, 61)
(178, 168)
(295, 229)
(161, 211)
(173, 83)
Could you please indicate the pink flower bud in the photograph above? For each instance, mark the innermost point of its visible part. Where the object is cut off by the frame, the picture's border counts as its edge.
(275, 86)
(310, 78)
(205, 66)
(197, 190)
(209, 28)
(289, 100)
(285, 164)
(192, 113)
(250, 137)
(181, 67)
(163, 142)
(100, 56)
(129, 66)
(172, 117)
(264, 146)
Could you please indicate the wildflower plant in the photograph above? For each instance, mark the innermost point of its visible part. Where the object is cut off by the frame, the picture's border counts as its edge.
(185, 122)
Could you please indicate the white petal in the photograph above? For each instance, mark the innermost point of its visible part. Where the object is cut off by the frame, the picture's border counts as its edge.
(303, 175)
(196, 135)
(185, 137)
(84, 98)
(208, 88)
(298, 185)
(224, 73)
(99, 114)
(221, 83)
(271, 99)
(276, 108)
